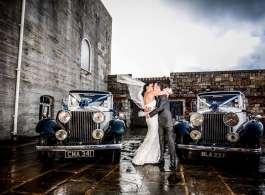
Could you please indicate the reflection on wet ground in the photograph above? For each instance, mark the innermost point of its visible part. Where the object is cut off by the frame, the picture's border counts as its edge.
(22, 173)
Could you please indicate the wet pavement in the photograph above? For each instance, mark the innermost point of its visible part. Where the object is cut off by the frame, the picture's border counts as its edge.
(22, 173)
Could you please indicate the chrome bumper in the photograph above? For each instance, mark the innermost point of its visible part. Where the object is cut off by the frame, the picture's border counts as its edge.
(220, 149)
(83, 147)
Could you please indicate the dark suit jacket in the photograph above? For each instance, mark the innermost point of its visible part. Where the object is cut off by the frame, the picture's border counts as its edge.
(163, 111)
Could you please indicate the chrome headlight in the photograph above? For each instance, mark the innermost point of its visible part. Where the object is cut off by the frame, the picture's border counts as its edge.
(61, 134)
(64, 116)
(98, 117)
(195, 135)
(97, 134)
(232, 137)
(196, 119)
(231, 119)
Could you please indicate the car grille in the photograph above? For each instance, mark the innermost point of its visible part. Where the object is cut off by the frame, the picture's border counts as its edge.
(214, 130)
(81, 126)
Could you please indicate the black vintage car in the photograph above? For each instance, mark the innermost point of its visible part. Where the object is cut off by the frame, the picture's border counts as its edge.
(87, 125)
(220, 126)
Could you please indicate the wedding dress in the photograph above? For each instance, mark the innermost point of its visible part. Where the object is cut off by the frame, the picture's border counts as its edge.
(149, 151)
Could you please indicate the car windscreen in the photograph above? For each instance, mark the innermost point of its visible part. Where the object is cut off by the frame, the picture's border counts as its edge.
(221, 99)
(91, 99)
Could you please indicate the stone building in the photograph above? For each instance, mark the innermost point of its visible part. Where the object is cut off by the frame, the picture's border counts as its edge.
(187, 85)
(48, 48)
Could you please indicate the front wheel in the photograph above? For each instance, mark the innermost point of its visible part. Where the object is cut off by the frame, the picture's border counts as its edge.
(46, 156)
(182, 154)
(253, 161)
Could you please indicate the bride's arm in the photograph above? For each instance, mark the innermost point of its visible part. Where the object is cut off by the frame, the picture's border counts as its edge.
(162, 103)
(158, 93)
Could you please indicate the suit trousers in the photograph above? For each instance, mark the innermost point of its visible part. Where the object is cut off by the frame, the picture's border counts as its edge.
(166, 133)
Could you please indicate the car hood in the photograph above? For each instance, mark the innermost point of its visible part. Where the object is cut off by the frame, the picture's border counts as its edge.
(90, 109)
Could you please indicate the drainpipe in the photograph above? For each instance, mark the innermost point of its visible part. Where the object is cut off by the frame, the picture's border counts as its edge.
(14, 133)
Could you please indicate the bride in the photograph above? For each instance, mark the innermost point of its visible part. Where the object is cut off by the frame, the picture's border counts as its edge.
(144, 96)
(149, 151)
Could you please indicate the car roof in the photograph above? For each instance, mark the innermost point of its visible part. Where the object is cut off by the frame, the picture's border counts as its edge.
(220, 92)
(90, 91)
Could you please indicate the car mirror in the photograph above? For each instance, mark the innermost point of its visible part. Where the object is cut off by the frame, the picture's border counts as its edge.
(114, 112)
(193, 106)
(246, 101)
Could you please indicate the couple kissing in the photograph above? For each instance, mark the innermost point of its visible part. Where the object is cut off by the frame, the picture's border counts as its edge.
(152, 98)
(160, 127)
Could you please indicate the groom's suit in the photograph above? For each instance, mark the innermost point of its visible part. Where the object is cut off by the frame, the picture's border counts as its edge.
(165, 126)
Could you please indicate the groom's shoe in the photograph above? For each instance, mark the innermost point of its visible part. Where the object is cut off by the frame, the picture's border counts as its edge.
(159, 162)
(172, 162)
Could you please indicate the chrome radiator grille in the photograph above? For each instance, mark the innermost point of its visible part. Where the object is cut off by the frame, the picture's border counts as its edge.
(81, 127)
(214, 130)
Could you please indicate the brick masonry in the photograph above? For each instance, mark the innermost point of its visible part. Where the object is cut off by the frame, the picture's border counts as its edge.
(51, 58)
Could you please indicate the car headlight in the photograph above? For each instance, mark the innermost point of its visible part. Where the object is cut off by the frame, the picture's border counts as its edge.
(97, 134)
(195, 135)
(98, 117)
(196, 119)
(231, 119)
(61, 134)
(232, 137)
(64, 116)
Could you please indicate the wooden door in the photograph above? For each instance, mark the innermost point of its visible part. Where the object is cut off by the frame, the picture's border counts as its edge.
(136, 120)
(176, 108)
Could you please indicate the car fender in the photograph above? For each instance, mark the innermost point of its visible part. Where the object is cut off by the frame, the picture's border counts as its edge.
(253, 128)
(181, 127)
(48, 126)
(118, 126)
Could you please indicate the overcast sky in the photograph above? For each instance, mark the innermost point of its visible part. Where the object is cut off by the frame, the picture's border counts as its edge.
(152, 38)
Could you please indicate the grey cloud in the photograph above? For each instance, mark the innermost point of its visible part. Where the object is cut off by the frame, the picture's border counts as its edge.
(227, 15)
(256, 60)
(214, 11)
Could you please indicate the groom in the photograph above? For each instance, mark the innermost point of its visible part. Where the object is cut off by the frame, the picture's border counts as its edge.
(165, 125)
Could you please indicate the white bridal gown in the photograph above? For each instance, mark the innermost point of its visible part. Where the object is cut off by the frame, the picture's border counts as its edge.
(149, 151)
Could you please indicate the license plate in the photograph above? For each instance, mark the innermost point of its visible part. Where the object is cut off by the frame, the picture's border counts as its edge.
(213, 154)
(78, 154)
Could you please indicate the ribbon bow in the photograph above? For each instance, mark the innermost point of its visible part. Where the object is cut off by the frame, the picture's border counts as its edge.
(83, 103)
(214, 106)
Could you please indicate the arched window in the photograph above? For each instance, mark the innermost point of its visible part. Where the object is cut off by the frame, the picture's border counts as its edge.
(85, 55)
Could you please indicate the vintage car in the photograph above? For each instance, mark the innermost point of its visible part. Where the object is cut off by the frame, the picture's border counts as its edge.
(220, 126)
(86, 126)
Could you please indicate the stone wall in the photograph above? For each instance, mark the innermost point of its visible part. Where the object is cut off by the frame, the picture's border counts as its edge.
(189, 84)
(51, 57)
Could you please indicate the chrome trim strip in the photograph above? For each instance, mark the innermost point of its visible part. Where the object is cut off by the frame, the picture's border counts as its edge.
(83, 147)
(220, 149)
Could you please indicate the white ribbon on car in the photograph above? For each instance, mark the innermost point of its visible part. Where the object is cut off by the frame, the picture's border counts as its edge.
(214, 106)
